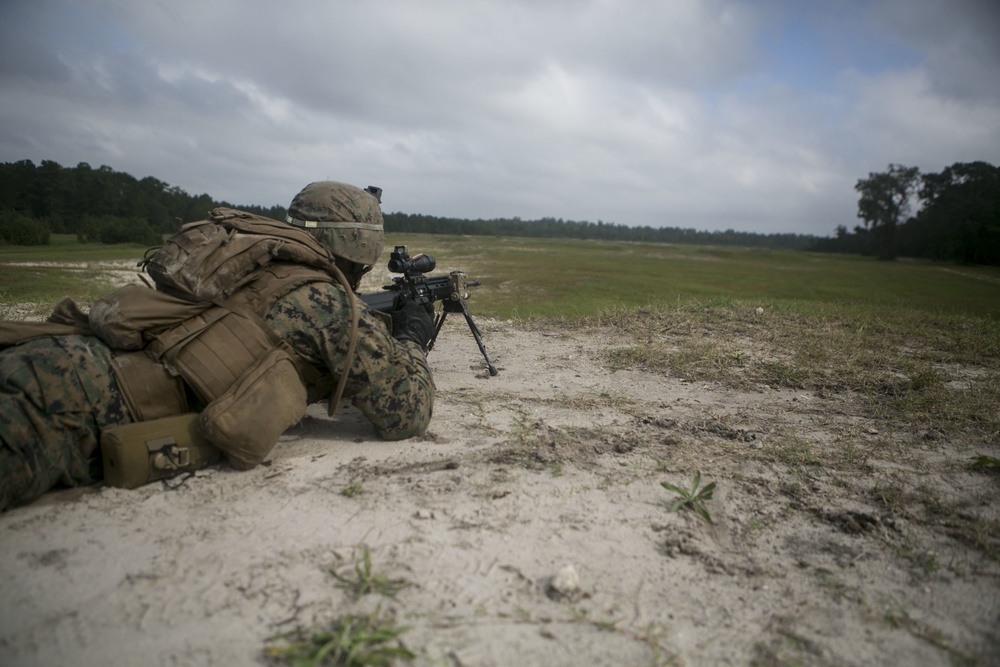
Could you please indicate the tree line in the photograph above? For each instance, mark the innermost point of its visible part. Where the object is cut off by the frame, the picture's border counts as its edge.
(957, 218)
(107, 206)
(98, 205)
(600, 230)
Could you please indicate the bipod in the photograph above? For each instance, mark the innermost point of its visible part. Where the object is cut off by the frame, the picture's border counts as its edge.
(458, 306)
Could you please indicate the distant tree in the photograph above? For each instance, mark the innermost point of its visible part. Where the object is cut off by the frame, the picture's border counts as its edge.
(19, 229)
(960, 217)
(884, 203)
(111, 229)
(16, 181)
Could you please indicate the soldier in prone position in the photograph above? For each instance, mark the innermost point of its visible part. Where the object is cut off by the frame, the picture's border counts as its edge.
(269, 335)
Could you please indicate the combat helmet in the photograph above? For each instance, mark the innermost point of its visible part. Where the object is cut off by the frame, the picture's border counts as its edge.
(345, 219)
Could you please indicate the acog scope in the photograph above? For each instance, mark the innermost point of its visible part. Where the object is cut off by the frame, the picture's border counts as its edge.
(401, 262)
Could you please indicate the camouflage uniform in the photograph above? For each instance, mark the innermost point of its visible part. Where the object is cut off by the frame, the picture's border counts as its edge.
(58, 393)
(389, 380)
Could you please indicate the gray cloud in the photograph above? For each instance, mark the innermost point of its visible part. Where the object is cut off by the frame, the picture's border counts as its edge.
(680, 114)
(960, 41)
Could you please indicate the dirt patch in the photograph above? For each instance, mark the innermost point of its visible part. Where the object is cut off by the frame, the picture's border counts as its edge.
(531, 528)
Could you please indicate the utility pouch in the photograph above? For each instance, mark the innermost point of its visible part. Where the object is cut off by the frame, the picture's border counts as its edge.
(212, 350)
(150, 391)
(143, 452)
(247, 420)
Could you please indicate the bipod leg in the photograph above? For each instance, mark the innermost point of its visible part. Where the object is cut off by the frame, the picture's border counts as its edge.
(479, 338)
(439, 322)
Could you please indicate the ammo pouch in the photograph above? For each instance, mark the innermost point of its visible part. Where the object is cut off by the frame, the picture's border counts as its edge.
(150, 391)
(143, 452)
(247, 420)
(250, 386)
(212, 350)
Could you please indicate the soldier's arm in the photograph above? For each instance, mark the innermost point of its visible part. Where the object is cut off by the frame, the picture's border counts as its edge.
(389, 380)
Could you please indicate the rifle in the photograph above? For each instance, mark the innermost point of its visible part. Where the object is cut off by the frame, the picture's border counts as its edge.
(451, 290)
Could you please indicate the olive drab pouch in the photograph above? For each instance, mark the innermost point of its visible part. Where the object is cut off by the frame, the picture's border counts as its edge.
(143, 452)
(150, 391)
(212, 259)
(247, 420)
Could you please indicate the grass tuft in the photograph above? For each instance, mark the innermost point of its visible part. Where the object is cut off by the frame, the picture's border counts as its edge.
(354, 640)
(365, 581)
(692, 498)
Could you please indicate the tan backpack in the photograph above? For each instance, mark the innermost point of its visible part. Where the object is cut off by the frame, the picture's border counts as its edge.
(212, 259)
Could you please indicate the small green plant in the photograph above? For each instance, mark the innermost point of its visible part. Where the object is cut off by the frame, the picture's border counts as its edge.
(353, 489)
(693, 497)
(365, 581)
(984, 463)
(350, 641)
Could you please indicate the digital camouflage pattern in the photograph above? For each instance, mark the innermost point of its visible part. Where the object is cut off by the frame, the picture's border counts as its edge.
(389, 379)
(56, 395)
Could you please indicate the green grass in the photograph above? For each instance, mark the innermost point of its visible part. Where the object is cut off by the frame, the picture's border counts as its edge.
(28, 274)
(692, 498)
(354, 640)
(529, 278)
(939, 371)
(65, 248)
(365, 581)
(46, 285)
(545, 278)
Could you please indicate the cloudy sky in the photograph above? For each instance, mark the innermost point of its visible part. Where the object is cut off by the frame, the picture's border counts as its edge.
(756, 115)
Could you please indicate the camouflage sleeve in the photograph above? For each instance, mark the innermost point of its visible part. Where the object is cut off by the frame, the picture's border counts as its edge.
(389, 380)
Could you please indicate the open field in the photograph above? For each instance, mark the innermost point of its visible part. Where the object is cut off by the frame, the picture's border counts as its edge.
(848, 412)
(527, 278)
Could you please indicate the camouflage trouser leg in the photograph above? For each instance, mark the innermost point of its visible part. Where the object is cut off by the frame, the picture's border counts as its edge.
(56, 394)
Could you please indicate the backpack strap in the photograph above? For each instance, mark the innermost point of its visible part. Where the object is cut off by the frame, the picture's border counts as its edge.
(67, 318)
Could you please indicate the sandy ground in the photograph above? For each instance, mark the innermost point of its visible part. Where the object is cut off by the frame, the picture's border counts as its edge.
(531, 528)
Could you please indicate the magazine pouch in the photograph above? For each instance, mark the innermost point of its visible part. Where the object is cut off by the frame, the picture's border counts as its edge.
(212, 350)
(150, 391)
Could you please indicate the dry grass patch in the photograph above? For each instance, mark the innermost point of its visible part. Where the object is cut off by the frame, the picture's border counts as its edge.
(933, 371)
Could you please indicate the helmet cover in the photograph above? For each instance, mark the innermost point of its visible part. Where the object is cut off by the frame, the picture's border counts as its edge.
(345, 219)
